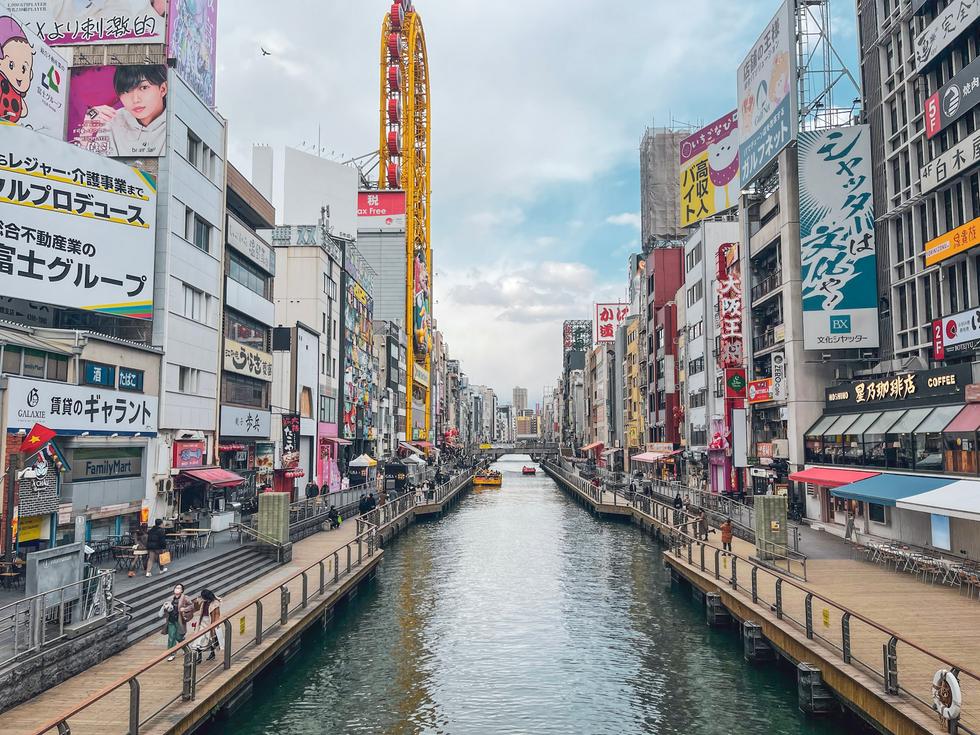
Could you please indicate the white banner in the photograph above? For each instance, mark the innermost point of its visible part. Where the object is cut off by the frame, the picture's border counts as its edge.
(779, 376)
(608, 317)
(962, 156)
(956, 334)
(245, 360)
(947, 26)
(250, 422)
(76, 229)
(251, 246)
(69, 22)
(76, 409)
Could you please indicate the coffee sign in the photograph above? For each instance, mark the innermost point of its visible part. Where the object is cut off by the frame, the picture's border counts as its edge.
(946, 385)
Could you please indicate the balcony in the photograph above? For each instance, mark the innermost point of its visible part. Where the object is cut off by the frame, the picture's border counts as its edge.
(768, 338)
(767, 285)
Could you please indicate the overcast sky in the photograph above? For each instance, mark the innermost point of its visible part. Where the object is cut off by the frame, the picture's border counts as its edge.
(538, 107)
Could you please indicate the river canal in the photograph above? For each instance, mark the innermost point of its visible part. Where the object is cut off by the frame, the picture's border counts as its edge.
(518, 612)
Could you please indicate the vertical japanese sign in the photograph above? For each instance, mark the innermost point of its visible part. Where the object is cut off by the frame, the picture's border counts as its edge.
(359, 377)
(767, 104)
(76, 229)
(607, 318)
(839, 264)
(290, 441)
(192, 41)
(33, 79)
(577, 335)
(70, 22)
(729, 306)
(709, 170)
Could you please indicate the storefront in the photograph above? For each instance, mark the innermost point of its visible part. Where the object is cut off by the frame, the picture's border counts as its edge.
(107, 486)
(245, 449)
(204, 496)
(329, 457)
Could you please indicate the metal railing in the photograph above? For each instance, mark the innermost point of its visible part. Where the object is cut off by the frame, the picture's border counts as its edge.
(767, 285)
(314, 581)
(258, 537)
(33, 624)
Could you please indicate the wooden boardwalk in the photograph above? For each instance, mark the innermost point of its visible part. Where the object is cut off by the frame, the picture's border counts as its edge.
(160, 686)
(936, 618)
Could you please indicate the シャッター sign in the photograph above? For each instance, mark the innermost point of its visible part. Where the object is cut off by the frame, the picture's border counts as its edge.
(943, 385)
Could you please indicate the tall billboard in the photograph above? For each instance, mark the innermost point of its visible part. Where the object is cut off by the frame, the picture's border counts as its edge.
(381, 210)
(78, 229)
(767, 99)
(119, 110)
(709, 170)
(577, 335)
(192, 42)
(360, 381)
(71, 22)
(839, 263)
(731, 353)
(33, 81)
(608, 317)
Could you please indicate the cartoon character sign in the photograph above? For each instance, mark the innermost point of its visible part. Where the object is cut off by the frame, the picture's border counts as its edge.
(723, 171)
(422, 316)
(16, 70)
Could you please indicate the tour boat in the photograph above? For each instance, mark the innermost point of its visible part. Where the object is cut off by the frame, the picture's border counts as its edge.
(488, 477)
(529, 471)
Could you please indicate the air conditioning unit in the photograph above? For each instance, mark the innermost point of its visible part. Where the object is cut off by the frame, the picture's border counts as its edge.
(165, 486)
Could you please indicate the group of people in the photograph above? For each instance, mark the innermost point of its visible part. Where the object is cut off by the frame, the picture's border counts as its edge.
(179, 612)
(683, 511)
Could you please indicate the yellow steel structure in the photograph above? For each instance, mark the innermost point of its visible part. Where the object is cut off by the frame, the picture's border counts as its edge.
(412, 160)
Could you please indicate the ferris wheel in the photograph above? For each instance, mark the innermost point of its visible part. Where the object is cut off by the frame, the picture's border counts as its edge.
(404, 164)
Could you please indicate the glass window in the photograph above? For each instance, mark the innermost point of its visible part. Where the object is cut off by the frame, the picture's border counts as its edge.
(960, 453)
(57, 368)
(244, 391)
(244, 272)
(876, 513)
(33, 364)
(247, 331)
(853, 443)
(202, 234)
(833, 439)
(11, 360)
(929, 439)
(900, 439)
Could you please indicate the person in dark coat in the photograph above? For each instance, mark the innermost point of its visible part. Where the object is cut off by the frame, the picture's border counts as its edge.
(156, 544)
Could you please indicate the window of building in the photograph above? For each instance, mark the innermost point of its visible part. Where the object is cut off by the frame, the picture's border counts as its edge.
(33, 364)
(247, 331)
(194, 145)
(188, 380)
(131, 379)
(11, 360)
(695, 366)
(244, 391)
(57, 368)
(328, 409)
(876, 513)
(250, 276)
(197, 305)
(202, 234)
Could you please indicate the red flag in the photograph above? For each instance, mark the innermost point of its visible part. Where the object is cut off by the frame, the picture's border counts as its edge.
(37, 438)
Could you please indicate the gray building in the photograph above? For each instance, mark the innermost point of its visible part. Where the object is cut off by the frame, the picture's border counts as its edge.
(660, 188)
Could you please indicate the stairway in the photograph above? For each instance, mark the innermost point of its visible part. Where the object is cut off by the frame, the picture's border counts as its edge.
(221, 574)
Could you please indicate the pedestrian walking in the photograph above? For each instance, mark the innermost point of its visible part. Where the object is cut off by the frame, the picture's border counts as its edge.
(209, 613)
(702, 525)
(678, 506)
(726, 534)
(362, 504)
(156, 544)
(176, 613)
(311, 490)
(372, 502)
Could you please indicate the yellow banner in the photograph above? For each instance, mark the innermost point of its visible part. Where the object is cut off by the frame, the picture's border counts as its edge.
(953, 242)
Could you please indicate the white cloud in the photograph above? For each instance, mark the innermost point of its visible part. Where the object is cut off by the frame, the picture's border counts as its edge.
(626, 219)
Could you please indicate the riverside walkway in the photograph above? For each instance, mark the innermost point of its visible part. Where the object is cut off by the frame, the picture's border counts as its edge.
(139, 691)
(848, 618)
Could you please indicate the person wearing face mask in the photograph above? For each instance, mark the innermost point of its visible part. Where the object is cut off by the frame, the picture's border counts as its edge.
(176, 613)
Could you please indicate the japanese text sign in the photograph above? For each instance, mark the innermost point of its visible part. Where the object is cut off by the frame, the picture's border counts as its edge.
(192, 42)
(961, 157)
(767, 104)
(897, 391)
(75, 228)
(37, 86)
(607, 318)
(74, 409)
(948, 24)
(709, 170)
(953, 242)
(290, 441)
(245, 360)
(839, 262)
(953, 100)
(248, 422)
(760, 391)
(382, 210)
(729, 307)
(68, 22)
(953, 335)
(189, 453)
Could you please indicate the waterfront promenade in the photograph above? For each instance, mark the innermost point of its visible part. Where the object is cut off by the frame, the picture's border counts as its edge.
(929, 625)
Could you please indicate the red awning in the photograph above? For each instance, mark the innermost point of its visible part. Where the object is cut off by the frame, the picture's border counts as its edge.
(828, 477)
(215, 477)
(967, 420)
(337, 440)
(590, 447)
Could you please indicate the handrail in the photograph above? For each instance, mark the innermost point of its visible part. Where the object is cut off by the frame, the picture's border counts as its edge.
(61, 721)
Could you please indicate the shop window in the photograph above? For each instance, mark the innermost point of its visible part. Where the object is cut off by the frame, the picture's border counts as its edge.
(960, 453)
(876, 513)
(33, 364)
(246, 331)
(57, 368)
(11, 360)
(251, 277)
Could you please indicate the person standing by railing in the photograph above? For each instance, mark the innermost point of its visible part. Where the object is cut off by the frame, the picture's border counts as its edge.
(176, 613)
(726, 534)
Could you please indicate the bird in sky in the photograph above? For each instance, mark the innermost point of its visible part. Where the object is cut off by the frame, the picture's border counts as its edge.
(264, 52)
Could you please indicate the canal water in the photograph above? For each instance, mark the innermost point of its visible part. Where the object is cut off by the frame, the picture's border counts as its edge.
(518, 612)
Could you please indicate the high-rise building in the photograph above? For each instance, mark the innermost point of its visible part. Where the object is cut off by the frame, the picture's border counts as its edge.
(520, 399)
(660, 191)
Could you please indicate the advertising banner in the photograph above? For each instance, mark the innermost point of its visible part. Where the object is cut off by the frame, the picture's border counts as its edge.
(189, 453)
(954, 99)
(245, 360)
(760, 391)
(944, 29)
(961, 157)
(247, 422)
(33, 79)
(421, 314)
(709, 170)
(381, 210)
(952, 243)
(78, 228)
(839, 263)
(119, 111)
(106, 463)
(290, 441)
(192, 42)
(71, 22)
(729, 307)
(948, 384)
(608, 317)
(74, 409)
(956, 334)
(360, 383)
(779, 382)
(735, 382)
(767, 99)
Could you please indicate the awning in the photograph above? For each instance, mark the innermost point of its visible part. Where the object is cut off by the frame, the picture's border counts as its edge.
(840, 425)
(363, 461)
(612, 450)
(822, 425)
(653, 456)
(415, 460)
(215, 477)
(337, 440)
(861, 425)
(829, 477)
(422, 444)
(967, 420)
(590, 447)
(912, 418)
(409, 448)
(884, 423)
(887, 488)
(938, 420)
(959, 499)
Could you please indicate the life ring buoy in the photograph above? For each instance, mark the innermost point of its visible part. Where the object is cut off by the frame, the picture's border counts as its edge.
(947, 698)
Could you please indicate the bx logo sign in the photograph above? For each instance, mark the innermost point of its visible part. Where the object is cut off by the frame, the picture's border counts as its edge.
(840, 324)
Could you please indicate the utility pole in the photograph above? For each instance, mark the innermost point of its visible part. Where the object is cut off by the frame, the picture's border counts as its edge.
(8, 506)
